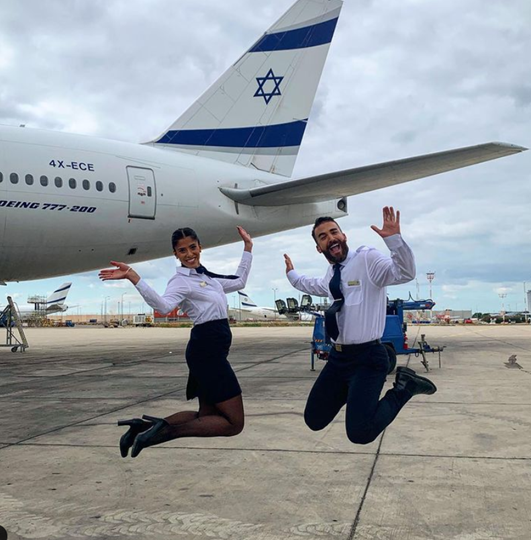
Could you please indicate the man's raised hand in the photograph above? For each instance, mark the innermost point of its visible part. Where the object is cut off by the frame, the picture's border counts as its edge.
(289, 264)
(391, 223)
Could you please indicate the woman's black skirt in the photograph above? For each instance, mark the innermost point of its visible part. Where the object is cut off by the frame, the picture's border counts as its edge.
(211, 376)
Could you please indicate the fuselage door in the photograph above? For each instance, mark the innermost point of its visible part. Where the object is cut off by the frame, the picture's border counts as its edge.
(142, 194)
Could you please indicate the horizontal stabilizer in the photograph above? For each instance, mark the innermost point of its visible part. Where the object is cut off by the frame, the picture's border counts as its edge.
(340, 184)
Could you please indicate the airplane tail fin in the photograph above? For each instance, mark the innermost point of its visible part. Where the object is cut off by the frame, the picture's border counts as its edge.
(58, 297)
(245, 301)
(256, 113)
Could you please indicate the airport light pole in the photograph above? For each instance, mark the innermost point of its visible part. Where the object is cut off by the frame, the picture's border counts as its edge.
(122, 318)
(105, 310)
(526, 307)
(502, 296)
(430, 277)
(275, 289)
(418, 298)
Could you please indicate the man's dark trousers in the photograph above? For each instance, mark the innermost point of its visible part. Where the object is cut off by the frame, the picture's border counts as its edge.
(356, 378)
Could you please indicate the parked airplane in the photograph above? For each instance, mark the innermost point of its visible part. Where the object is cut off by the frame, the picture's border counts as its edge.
(248, 310)
(71, 203)
(55, 303)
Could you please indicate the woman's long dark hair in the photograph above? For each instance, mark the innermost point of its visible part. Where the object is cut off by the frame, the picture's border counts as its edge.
(185, 232)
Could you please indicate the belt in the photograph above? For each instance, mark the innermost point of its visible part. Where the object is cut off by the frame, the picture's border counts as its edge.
(354, 346)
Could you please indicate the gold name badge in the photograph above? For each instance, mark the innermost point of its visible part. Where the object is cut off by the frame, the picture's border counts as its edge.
(355, 283)
(203, 284)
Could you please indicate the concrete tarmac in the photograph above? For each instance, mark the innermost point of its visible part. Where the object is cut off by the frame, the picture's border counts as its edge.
(456, 465)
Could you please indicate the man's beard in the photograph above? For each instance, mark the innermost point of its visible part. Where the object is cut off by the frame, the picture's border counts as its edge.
(338, 257)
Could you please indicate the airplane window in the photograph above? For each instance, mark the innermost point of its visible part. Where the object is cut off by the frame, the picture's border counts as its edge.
(14, 178)
(29, 179)
(44, 181)
(1, 177)
(72, 183)
(86, 185)
(58, 181)
(112, 187)
(99, 186)
(149, 190)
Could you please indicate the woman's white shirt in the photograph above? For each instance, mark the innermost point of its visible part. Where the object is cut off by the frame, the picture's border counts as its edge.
(200, 296)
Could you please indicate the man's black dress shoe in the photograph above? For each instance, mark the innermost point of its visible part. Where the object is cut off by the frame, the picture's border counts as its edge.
(407, 379)
(136, 426)
(143, 440)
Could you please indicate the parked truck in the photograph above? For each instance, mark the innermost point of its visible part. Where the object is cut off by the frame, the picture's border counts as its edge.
(142, 320)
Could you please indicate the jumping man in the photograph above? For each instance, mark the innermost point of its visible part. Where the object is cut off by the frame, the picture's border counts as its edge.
(355, 373)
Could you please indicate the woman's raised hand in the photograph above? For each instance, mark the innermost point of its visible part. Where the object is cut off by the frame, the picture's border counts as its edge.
(122, 271)
(246, 237)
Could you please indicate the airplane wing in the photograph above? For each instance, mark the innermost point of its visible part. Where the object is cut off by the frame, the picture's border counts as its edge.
(340, 184)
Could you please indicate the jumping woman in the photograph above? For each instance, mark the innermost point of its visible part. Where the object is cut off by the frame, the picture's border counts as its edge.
(201, 294)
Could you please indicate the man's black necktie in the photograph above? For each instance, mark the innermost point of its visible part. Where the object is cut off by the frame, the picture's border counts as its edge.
(202, 270)
(339, 300)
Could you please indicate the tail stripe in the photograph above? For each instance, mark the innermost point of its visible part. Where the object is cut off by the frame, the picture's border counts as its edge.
(301, 38)
(63, 289)
(278, 135)
(56, 300)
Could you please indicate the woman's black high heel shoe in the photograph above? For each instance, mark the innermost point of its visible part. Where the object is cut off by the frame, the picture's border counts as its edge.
(137, 425)
(143, 440)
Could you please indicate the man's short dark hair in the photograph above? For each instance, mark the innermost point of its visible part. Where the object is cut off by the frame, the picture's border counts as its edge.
(185, 232)
(320, 221)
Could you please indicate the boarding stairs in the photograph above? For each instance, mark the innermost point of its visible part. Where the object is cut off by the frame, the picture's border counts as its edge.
(10, 318)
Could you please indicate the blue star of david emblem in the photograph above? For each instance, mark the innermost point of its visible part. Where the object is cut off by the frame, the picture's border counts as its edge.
(261, 92)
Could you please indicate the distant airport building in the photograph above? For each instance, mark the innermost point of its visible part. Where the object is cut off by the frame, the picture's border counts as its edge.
(453, 314)
(175, 316)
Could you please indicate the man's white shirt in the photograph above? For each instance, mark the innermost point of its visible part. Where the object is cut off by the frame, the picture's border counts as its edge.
(200, 296)
(365, 273)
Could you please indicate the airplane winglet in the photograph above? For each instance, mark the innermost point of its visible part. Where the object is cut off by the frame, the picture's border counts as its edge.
(515, 147)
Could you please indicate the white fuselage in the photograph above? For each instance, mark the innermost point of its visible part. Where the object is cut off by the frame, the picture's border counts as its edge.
(255, 314)
(29, 312)
(78, 202)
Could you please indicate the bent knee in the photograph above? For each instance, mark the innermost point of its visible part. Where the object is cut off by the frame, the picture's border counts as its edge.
(235, 429)
(361, 436)
(314, 424)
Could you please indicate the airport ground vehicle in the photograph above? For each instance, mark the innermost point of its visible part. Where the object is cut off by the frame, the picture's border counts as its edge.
(142, 320)
(394, 338)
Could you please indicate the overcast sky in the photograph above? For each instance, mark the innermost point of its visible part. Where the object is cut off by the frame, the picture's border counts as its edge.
(402, 79)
